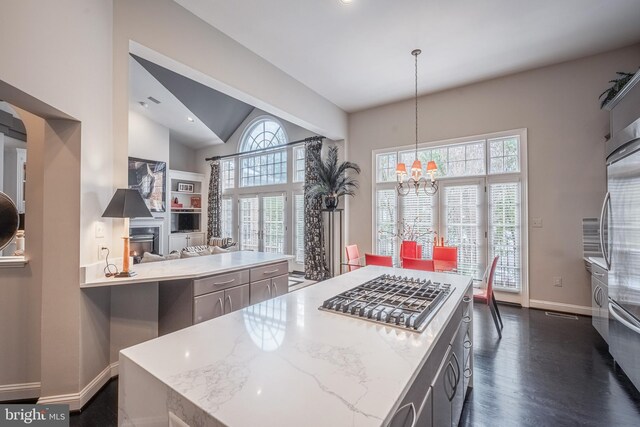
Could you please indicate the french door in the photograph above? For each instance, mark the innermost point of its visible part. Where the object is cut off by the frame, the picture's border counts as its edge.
(463, 223)
(262, 223)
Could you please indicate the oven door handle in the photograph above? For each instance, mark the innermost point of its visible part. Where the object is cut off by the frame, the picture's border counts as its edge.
(615, 312)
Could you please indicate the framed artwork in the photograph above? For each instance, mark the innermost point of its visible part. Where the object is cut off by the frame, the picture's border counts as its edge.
(185, 187)
(149, 177)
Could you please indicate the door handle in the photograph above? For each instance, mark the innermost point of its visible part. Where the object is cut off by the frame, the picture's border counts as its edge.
(605, 255)
(413, 412)
(613, 310)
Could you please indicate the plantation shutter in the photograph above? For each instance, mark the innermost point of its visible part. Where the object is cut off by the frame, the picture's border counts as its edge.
(386, 218)
(504, 233)
(463, 226)
(418, 214)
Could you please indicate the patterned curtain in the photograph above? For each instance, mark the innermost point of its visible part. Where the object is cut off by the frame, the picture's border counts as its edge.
(213, 223)
(315, 264)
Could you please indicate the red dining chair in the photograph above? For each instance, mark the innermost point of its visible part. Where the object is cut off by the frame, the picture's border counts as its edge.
(353, 257)
(447, 254)
(485, 295)
(418, 264)
(381, 260)
(409, 249)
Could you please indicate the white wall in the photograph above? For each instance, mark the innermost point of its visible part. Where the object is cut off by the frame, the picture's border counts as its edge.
(182, 157)
(60, 53)
(147, 139)
(559, 106)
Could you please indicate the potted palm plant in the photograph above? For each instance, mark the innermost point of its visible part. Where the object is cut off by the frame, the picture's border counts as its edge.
(334, 180)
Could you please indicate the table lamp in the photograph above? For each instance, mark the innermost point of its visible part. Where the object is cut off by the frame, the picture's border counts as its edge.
(126, 203)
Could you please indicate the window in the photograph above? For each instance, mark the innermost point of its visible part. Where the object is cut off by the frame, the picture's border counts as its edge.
(268, 168)
(298, 223)
(226, 215)
(478, 208)
(227, 170)
(503, 155)
(298, 164)
(504, 232)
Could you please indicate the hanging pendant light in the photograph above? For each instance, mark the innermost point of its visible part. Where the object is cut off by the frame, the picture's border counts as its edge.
(416, 180)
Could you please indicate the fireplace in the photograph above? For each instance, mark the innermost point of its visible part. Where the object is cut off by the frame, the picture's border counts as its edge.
(144, 239)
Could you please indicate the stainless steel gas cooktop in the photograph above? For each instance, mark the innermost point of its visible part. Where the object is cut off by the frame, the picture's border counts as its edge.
(403, 302)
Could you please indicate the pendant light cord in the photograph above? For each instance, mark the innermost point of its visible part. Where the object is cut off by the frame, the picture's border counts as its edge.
(415, 54)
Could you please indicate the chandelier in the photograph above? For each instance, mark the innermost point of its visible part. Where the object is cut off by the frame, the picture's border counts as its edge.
(416, 180)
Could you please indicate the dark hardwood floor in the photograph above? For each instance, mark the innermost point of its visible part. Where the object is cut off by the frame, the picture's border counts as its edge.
(546, 371)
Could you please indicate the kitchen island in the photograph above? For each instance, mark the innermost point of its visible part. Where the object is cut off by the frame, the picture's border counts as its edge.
(284, 362)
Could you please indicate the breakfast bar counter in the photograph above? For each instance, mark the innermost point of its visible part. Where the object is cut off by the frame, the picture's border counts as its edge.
(284, 362)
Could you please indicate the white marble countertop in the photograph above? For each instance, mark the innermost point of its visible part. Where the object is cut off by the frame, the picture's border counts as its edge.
(599, 262)
(284, 362)
(190, 268)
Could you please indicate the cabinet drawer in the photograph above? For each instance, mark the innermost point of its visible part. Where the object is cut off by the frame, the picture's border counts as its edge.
(269, 271)
(219, 282)
(599, 273)
(208, 307)
(280, 285)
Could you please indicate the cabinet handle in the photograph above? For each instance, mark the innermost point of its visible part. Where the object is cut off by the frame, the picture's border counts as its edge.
(271, 271)
(453, 393)
(595, 291)
(467, 373)
(468, 344)
(269, 287)
(275, 288)
(466, 299)
(458, 369)
(466, 319)
(595, 273)
(221, 305)
(224, 283)
(413, 412)
(598, 296)
(230, 303)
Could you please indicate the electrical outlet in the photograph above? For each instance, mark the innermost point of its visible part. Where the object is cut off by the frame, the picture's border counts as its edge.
(557, 281)
(99, 230)
(536, 222)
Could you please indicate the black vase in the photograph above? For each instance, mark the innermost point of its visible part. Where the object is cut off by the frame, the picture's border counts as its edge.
(331, 202)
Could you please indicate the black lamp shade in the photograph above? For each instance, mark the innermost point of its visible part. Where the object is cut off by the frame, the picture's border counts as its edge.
(127, 203)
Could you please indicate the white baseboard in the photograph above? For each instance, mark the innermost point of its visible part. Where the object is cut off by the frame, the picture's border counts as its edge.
(562, 307)
(77, 400)
(19, 391)
(114, 369)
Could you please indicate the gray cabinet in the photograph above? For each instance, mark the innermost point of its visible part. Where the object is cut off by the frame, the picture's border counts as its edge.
(263, 290)
(600, 301)
(236, 298)
(207, 307)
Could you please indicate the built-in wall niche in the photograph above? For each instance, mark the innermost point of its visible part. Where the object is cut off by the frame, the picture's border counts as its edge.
(186, 202)
(13, 170)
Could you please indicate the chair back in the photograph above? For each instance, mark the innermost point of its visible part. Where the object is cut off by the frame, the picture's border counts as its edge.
(492, 274)
(353, 257)
(409, 249)
(446, 253)
(418, 264)
(381, 260)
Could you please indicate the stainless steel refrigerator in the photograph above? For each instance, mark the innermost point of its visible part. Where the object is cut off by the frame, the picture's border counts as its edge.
(620, 239)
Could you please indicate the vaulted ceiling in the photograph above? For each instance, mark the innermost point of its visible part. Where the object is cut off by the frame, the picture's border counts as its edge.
(357, 55)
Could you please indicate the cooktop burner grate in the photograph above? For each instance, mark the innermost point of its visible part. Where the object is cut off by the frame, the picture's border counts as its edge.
(393, 300)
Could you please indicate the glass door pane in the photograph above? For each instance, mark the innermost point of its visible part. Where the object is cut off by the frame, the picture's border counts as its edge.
(273, 224)
(463, 225)
(504, 233)
(249, 214)
(417, 220)
(298, 226)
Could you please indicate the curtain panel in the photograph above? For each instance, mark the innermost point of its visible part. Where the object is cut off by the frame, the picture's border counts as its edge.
(213, 214)
(315, 264)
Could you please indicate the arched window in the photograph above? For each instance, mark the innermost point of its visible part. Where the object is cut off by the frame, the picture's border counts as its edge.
(267, 168)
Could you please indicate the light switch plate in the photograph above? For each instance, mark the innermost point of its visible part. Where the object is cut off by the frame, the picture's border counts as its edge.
(99, 230)
(536, 222)
(557, 281)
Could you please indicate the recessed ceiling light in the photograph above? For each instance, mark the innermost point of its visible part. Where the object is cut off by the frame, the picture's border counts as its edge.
(144, 104)
(191, 119)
